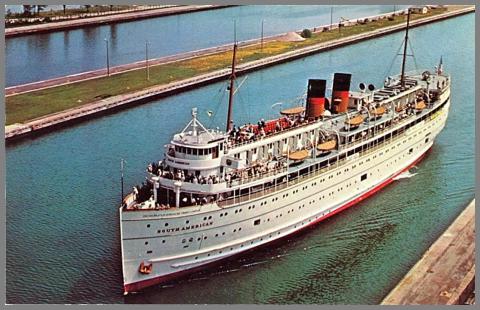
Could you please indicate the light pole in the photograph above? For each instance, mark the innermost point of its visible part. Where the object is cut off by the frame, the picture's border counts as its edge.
(108, 60)
(262, 35)
(331, 17)
(146, 60)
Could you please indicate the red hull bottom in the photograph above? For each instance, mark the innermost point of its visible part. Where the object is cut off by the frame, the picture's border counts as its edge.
(137, 286)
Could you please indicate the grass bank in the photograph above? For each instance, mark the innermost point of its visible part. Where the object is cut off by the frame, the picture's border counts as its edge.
(23, 107)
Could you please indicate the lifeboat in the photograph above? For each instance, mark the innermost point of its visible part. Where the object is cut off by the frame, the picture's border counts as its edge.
(355, 121)
(145, 268)
(293, 111)
(327, 145)
(378, 111)
(298, 155)
(419, 106)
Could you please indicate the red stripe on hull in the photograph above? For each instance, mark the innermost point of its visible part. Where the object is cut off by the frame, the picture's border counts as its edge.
(137, 286)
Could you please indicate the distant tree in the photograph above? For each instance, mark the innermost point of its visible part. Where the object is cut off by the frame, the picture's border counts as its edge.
(40, 8)
(306, 33)
(87, 6)
(64, 9)
(27, 9)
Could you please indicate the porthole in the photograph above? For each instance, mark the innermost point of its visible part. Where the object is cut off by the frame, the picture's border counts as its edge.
(148, 225)
(163, 241)
(166, 224)
(146, 242)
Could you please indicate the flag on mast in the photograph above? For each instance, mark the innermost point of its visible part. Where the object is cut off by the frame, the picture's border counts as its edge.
(440, 66)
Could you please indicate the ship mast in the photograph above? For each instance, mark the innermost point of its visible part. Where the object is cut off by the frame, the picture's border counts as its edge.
(402, 79)
(230, 98)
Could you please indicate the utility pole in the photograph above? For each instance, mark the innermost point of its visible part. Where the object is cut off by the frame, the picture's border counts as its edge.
(108, 60)
(146, 61)
(331, 17)
(262, 35)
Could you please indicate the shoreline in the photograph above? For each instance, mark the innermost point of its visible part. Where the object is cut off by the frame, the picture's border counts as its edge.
(445, 274)
(107, 19)
(117, 102)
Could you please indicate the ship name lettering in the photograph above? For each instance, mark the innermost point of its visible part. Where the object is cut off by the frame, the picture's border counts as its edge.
(187, 227)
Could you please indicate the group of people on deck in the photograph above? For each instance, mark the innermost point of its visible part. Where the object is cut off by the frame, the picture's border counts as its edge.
(250, 132)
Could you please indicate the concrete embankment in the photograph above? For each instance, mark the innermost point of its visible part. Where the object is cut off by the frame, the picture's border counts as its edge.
(445, 275)
(94, 21)
(122, 101)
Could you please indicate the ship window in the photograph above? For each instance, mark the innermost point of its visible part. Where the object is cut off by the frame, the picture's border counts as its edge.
(184, 240)
(148, 225)
(363, 177)
(189, 151)
(146, 242)
(163, 241)
(149, 252)
(195, 152)
(426, 140)
(166, 224)
(200, 152)
(256, 222)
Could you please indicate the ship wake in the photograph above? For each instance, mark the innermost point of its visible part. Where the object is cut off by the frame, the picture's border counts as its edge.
(407, 174)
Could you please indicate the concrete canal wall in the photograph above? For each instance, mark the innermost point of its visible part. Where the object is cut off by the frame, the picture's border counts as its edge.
(122, 101)
(445, 275)
(116, 18)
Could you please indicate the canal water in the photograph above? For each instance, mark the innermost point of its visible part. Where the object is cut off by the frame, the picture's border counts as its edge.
(41, 56)
(63, 191)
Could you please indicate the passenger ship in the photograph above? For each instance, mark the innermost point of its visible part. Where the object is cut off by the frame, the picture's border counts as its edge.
(217, 194)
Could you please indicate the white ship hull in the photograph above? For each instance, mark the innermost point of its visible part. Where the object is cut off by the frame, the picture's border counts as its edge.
(181, 242)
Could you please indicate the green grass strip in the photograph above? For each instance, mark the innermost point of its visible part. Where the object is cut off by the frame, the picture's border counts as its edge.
(27, 106)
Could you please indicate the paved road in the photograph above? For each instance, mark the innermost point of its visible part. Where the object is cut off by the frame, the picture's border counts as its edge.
(24, 88)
